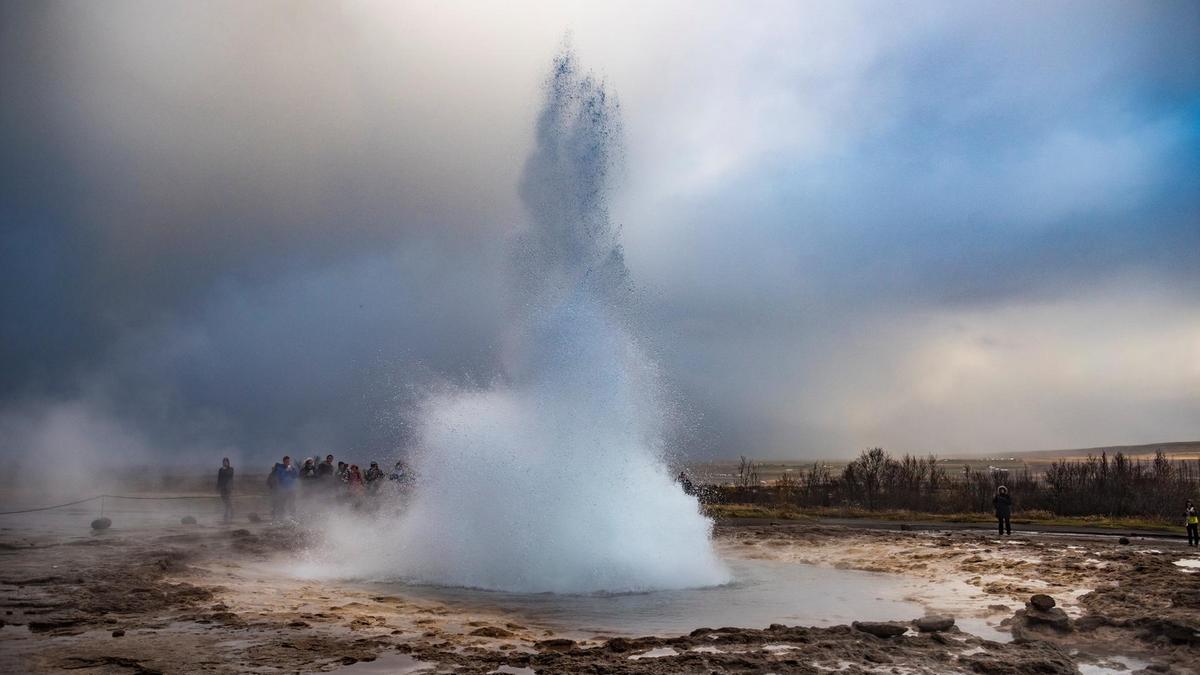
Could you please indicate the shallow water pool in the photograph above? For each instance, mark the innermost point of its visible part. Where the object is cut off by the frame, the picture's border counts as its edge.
(765, 592)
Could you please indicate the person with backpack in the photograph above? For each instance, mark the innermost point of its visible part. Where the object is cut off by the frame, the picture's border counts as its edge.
(1003, 503)
(1192, 524)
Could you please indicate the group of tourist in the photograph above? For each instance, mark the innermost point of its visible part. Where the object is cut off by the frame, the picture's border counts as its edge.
(317, 479)
(349, 484)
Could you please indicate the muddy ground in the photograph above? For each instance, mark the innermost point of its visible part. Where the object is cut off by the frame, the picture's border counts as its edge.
(192, 599)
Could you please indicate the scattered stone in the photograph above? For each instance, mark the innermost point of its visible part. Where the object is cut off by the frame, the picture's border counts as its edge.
(101, 524)
(1042, 602)
(118, 633)
(881, 629)
(1123, 540)
(298, 624)
(254, 518)
(188, 520)
(934, 623)
(620, 645)
(558, 645)
(491, 632)
(905, 527)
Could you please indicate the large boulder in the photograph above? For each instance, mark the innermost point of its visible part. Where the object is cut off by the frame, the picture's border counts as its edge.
(934, 623)
(881, 629)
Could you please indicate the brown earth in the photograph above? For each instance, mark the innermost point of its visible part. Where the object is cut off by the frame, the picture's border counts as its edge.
(211, 599)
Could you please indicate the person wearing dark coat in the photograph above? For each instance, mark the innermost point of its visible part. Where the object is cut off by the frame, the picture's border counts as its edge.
(1191, 522)
(325, 469)
(1003, 503)
(225, 488)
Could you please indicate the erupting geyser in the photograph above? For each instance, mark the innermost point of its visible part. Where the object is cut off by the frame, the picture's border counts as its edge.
(553, 479)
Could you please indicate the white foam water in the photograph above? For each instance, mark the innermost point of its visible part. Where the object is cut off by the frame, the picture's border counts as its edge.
(553, 478)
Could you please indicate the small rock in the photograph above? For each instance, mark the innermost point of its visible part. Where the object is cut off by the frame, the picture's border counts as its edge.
(298, 624)
(559, 645)
(254, 518)
(349, 660)
(1123, 540)
(881, 629)
(118, 632)
(188, 520)
(905, 526)
(934, 623)
(1042, 601)
(101, 524)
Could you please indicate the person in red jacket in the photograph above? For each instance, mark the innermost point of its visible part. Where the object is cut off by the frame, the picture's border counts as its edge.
(355, 484)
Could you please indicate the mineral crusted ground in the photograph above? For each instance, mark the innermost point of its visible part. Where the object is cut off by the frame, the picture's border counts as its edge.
(190, 599)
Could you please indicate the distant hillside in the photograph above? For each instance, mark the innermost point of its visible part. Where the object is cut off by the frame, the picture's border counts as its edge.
(1174, 450)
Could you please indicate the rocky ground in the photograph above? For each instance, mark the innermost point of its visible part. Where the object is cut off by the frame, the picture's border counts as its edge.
(201, 598)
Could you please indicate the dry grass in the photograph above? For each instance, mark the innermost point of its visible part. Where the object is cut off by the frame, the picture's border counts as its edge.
(1027, 518)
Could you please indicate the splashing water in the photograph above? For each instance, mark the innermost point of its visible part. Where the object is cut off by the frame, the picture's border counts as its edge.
(554, 479)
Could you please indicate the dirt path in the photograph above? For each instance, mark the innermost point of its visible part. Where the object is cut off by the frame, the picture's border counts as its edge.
(213, 599)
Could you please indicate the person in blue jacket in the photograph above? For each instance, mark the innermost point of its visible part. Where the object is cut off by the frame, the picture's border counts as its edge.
(282, 481)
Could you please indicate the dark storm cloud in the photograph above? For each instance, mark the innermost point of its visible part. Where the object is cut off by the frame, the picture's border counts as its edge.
(228, 245)
(249, 227)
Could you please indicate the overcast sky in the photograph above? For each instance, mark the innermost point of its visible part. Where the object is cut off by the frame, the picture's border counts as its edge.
(248, 228)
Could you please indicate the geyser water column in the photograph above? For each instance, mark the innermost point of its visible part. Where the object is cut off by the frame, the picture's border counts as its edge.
(553, 480)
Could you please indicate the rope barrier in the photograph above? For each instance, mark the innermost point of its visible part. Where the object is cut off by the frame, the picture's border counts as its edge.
(47, 508)
(92, 499)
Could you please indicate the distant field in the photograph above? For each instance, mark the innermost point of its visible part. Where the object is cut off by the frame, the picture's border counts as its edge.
(726, 471)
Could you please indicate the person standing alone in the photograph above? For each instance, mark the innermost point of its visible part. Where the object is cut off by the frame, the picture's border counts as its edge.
(225, 488)
(1192, 521)
(1003, 503)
